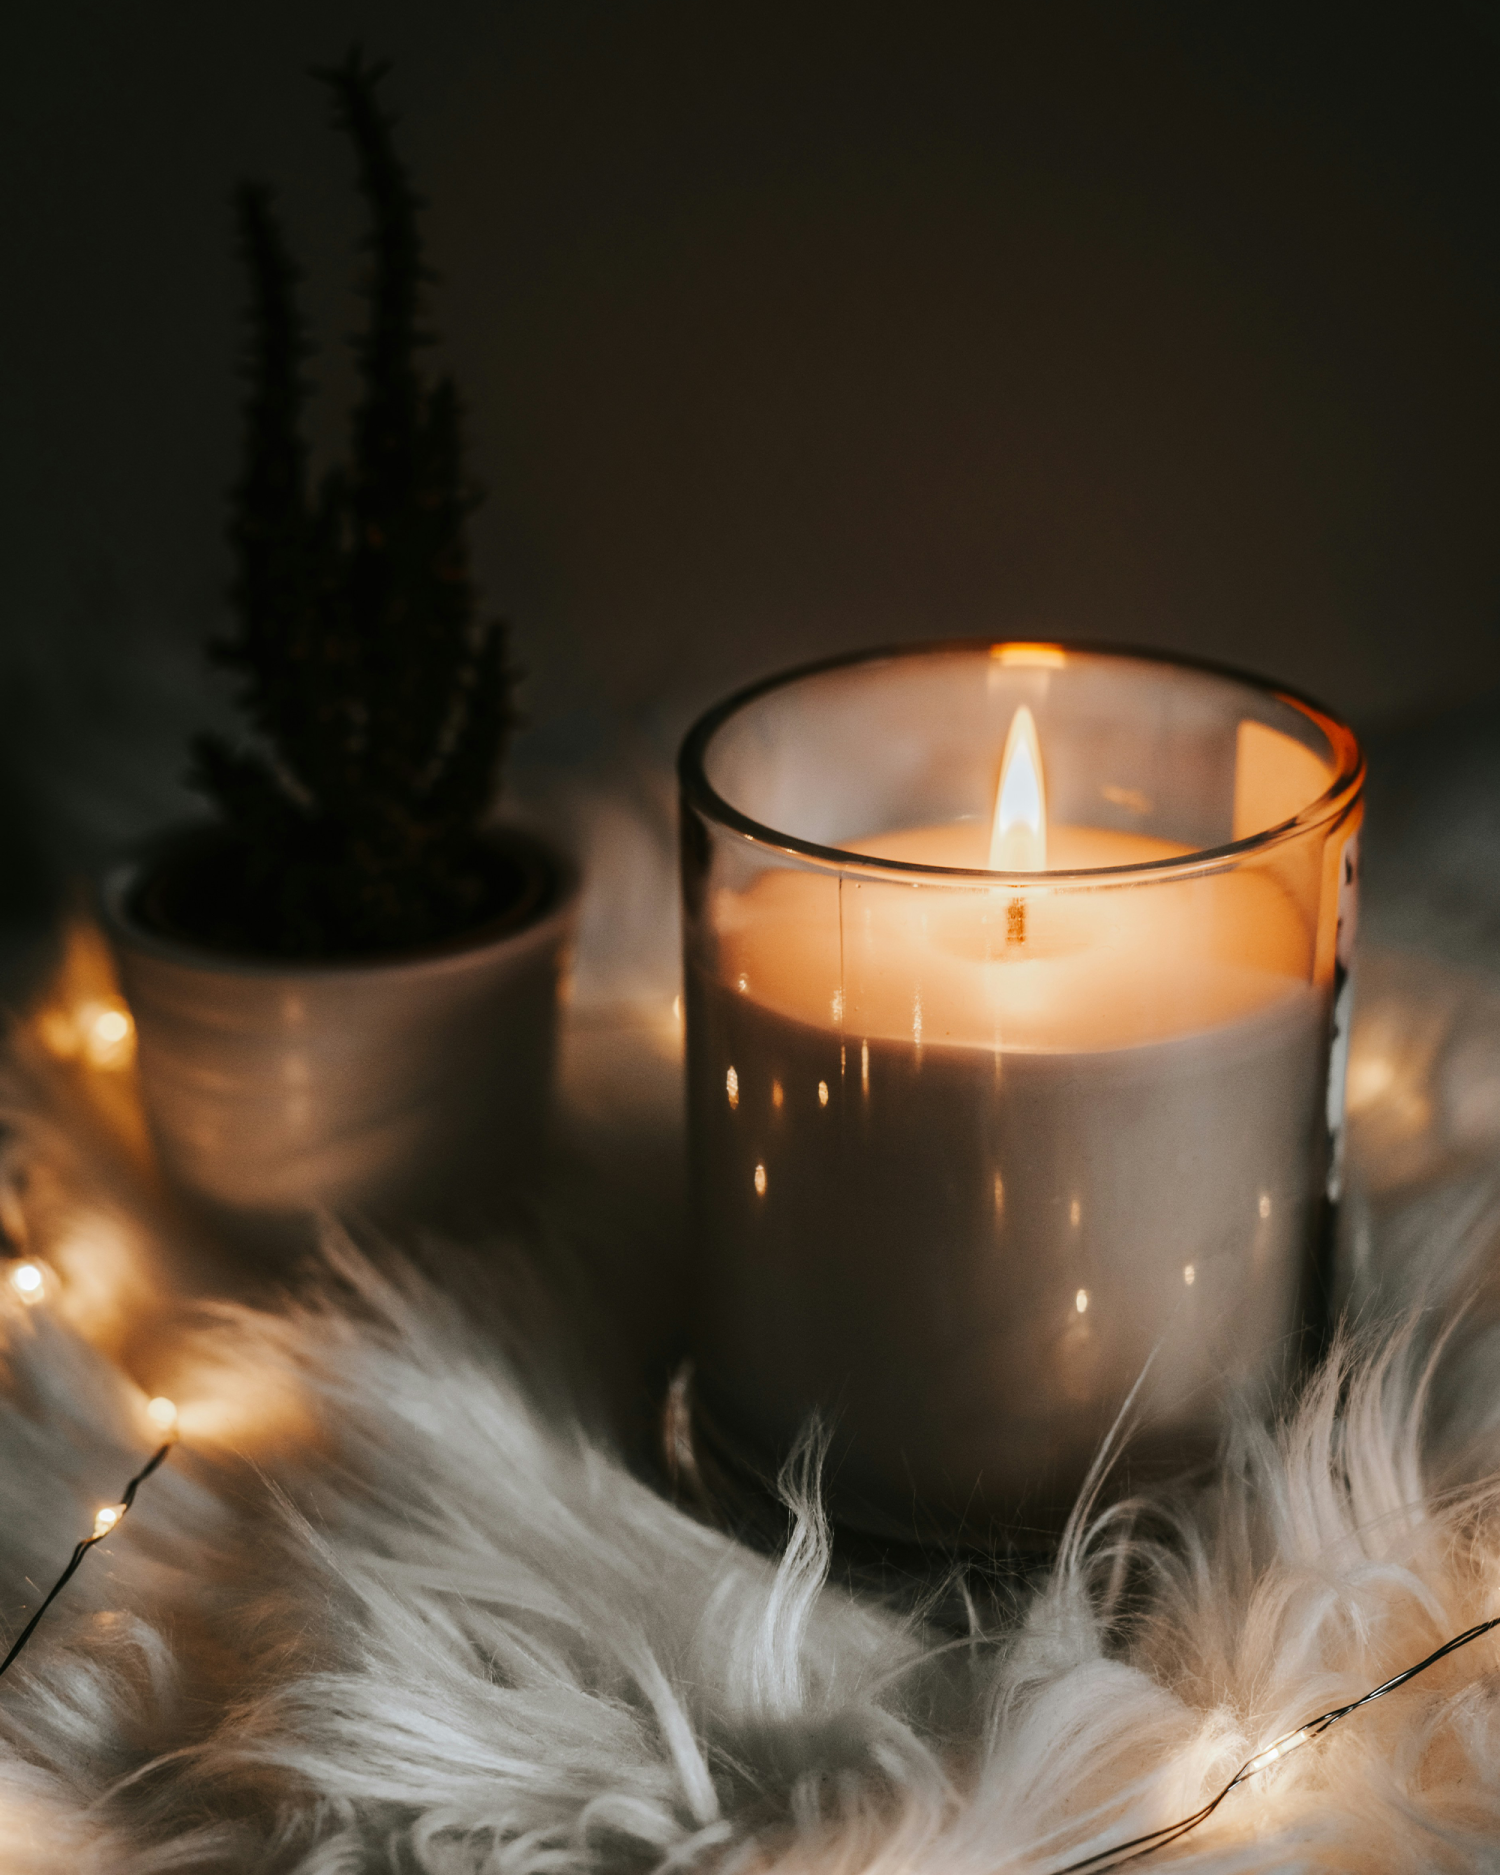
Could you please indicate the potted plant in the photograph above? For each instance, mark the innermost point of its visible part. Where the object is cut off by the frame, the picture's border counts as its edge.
(345, 984)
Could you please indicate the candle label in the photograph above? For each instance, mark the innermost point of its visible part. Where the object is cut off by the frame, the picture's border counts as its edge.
(1343, 1009)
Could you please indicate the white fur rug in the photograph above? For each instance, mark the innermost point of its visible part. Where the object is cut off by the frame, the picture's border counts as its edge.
(394, 1604)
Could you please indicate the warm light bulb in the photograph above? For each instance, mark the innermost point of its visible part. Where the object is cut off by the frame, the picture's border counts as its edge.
(162, 1413)
(1018, 842)
(108, 1033)
(1273, 1752)
(27, 1281)
(106, 1519)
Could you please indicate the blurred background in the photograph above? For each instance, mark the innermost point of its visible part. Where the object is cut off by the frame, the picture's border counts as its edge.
(783, 329)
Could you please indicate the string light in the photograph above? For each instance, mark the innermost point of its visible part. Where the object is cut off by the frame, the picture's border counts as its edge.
(107, 1518)
(28, 1282)
(108, 1035)
(1122, 1852)
(99, 1030)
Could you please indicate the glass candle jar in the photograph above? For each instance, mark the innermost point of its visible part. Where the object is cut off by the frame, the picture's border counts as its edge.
(1016, 983)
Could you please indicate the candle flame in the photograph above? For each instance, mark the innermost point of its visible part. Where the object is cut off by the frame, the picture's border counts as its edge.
(1019, 840)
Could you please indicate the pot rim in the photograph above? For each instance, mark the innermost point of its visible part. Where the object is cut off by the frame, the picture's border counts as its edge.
(118, 881)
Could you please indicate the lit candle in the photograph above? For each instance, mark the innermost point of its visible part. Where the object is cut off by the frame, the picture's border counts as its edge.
(1010, 975)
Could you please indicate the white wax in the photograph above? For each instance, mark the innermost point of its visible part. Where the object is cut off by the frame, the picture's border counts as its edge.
(966, 1161)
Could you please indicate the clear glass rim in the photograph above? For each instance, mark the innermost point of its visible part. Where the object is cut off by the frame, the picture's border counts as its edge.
(1328, 807)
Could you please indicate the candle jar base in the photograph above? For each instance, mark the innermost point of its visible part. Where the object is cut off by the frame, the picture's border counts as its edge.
(742, 1465)
(952, 1572)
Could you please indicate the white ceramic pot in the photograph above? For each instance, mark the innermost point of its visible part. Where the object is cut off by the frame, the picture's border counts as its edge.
(410, 1088)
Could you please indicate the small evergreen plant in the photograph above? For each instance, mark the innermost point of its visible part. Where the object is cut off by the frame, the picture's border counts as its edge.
(378, 698)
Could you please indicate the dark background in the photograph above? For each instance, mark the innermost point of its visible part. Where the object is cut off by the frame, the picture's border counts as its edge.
(782, 329)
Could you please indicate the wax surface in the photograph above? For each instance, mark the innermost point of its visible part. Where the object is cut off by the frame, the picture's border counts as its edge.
(1062, 965)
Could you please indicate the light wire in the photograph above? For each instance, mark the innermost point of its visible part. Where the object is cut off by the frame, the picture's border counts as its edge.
(127, 1498)
(1117, 1854)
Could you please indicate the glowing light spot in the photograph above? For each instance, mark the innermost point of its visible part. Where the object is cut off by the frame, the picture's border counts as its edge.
(106, 1032)
(732, 1087)
(743, 984)
(677, 1009)
(822, 1093)
(100, 1030)
(1081, 1302)
(106, 1518)
(777, 1097)
(999, 1194)
(162, 1413)
(838, 1005)
(864, 1067)
(1189, 1274)
(1075, 1212)
(27, 1281)
(760, 1181)
(1273, 1752)
(1265, 1204)
(916, 1020)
